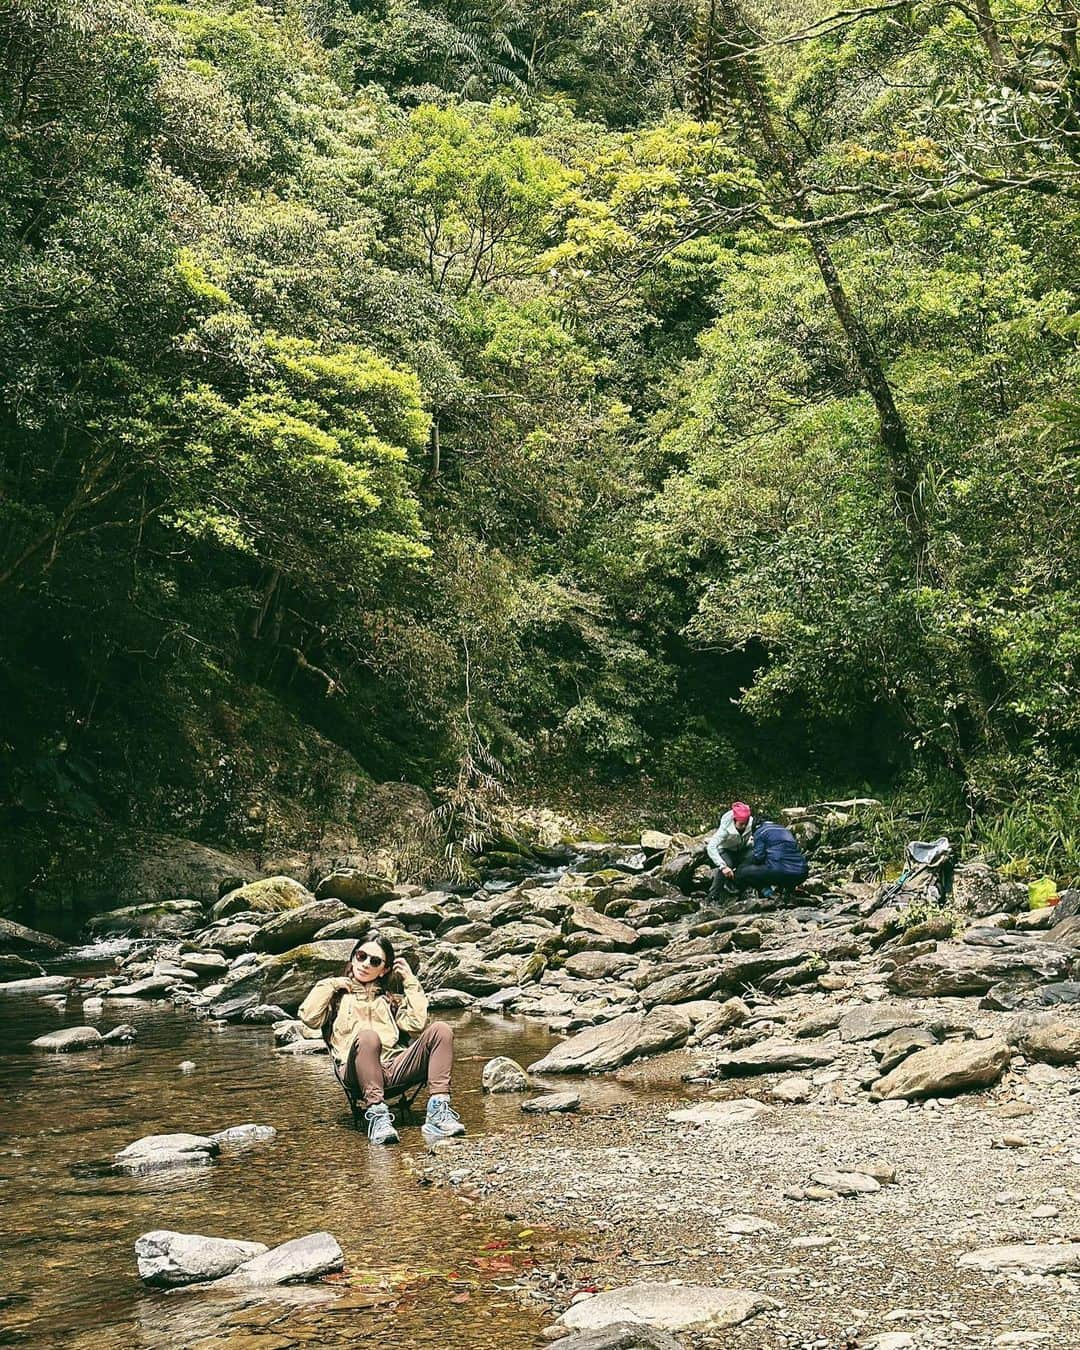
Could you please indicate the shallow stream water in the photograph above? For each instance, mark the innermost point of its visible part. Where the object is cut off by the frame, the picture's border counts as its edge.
(422, 1266)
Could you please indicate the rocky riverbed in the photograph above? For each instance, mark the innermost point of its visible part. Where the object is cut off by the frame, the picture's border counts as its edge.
(852, 1123)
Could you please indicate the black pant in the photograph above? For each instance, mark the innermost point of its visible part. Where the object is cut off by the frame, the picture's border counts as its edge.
(722, 884)
(757, 876)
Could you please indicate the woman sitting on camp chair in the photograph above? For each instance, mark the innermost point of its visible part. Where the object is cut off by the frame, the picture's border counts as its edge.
(374, 1019)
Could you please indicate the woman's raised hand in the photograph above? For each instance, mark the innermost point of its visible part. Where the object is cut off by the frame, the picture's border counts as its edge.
(402, 968)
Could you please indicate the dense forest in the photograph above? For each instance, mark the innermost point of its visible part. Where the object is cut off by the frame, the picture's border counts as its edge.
(644, 394)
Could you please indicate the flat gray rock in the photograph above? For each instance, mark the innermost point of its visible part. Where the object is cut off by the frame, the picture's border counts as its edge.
(773, 1056)
(165, 918)
(847, 1183)
(957, 968)
(741, 1111)
(164, 1152)
(552, 1103)
(68, 1040)
(244, 1134)
(668, 1307)
(870, 1021)
(152, 986)
(304, 1258)
(167, 1259)
(38, 984)
(450, 998)
(617, 1042)
(1048, 1259)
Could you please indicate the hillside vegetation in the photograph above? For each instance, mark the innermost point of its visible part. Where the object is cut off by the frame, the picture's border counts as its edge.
(647, 395)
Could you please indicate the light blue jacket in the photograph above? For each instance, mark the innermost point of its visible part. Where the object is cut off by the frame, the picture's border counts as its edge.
(728, 839)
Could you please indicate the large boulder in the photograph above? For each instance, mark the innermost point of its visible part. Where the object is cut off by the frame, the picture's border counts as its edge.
(464, 968)
(668, 1307)
(684, 985)
(361, 889)
(954, 1066)
(870, 1021)
(420, 912)
(1052, 1040)
(606, 1047)
(18, 940)
(165, 918)
(356, 926)
(272, 895)
(296, 926)
(283, 979)
(38, 985)
(516, 938)
(600, 965)
(959, 968)
(167, 1259)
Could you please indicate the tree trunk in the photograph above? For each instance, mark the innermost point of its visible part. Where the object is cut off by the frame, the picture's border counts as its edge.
(907, 498)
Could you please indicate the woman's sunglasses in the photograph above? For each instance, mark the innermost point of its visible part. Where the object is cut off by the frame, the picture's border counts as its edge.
(366, 959)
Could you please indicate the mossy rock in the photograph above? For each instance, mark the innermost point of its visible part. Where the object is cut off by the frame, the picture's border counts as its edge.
(272, 895)
(284, 979)
(505, 858)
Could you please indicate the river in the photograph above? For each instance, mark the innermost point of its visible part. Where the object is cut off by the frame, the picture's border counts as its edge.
(422, 1266)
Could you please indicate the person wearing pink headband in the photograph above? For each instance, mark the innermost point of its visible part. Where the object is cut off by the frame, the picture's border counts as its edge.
(728, 847)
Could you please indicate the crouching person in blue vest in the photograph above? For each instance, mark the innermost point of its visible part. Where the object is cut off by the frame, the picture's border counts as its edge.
(775, 861)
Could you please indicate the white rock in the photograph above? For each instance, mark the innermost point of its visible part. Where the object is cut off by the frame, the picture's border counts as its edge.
(670, 1307)
(244, 1134)
(847, 1183)
(740, 1111)
(304, 1258)
(1048, 1259)
(744, 1224)
(162, 1152)
(169, 1258)
(37, 984)
(69, 1039)
(186, 1066)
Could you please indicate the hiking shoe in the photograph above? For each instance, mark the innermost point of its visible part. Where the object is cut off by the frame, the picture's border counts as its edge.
(441, 1121)
(380, 1125)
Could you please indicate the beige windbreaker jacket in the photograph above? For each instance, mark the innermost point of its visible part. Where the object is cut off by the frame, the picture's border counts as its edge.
(361, 1008)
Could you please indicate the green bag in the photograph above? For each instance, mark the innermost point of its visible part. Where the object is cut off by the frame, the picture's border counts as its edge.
(1041, 892)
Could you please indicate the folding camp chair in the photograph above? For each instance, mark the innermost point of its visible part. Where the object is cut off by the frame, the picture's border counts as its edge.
(405, 1096)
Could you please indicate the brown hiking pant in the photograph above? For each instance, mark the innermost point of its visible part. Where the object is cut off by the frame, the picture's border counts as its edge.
(430, 1057)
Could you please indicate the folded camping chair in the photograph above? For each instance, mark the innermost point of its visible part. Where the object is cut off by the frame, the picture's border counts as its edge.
(405, 1096)
(932, 862)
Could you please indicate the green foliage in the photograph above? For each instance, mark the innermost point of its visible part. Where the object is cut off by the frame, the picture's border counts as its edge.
(422, 370)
